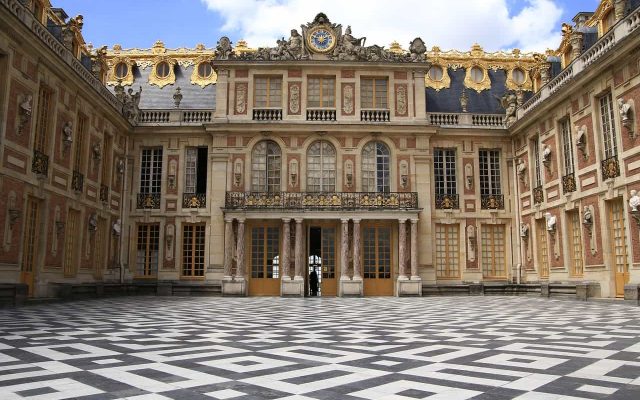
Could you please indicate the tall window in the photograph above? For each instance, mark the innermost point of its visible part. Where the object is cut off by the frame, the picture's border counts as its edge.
(375, 167)
(43, 121)
(373, 93)
(265, 248)
(493, 251)
(321, 167)
(80, 134)
(567, 141)
(268, 91)
(608, 126)
(490, 172)
(376, 252)
(543, 249)
(321, 92)
(151, 171)
(148, 249)
(106, 160)
(537, 177)
(447, 249)
(193, 242)
(195, 170)
(577, 266)
(70, 243)
(266, 165)
(444, 163)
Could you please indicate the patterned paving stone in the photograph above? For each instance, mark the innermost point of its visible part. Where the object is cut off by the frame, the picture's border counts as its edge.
(150, 348)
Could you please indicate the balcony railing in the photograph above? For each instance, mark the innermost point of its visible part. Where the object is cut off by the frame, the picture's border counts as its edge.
(321, 114)
(447, 202)
(77, 181)
(104, 193)
(321, 201)
(148, 201)
(174, 117)
(492, 202)
(374, 115)
(610, 168)
(485, 121)
(569, 183)
(194, 200)
(40, 164)
(267, 114)
(538, 195)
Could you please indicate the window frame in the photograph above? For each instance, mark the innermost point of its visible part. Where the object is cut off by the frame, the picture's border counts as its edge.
(267, 179)
(490, 176)
(321, 96)
(445, 175)
(268, 81)
(193, 251)
(151, 161)
(374, 91)
(379, 178)
(608, 125)
(326, 163)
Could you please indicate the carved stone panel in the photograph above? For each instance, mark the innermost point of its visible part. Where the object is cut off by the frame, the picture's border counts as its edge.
(294, 98)
(240, 103)
(402, 100)
(348, 99)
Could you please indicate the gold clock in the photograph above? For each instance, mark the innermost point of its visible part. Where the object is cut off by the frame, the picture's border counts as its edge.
(321, 39)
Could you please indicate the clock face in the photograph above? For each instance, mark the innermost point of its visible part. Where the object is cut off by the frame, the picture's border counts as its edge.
(321, 40)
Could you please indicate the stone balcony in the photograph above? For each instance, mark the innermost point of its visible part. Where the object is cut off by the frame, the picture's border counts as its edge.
(331, 201)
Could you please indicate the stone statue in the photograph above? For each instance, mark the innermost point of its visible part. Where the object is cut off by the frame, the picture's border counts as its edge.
(116, 229)
(131, 107)
(551, 221)
(546, 154)
(118, 90)
(177, 97)
(417, 49)
(97, 151)
(524, 230)
(349, 47)
(624, 108)
(26, 107)
(587, 217)
(295, 44)
(522, 168)
(93, 222)
(634, 201)
(224, 51)
(120, 166)
(510, 103)
(67, 133)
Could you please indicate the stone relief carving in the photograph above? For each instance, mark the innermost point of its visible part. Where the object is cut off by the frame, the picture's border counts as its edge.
(11, 217)
(294, 98)
(588, 221)
(468, 176)
(404, 174)
(471, 243)
(24, 112)
(401, 100)
(522, 171)
(241, 98)
(172, 172)
(169, 240)
(58, 229)
(347, 100)
(293, 173)
(237, 172)
(348, 173)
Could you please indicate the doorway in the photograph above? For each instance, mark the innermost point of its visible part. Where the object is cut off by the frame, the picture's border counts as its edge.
(321, 264)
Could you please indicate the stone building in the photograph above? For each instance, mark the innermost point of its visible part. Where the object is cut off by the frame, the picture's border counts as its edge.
(371, 171)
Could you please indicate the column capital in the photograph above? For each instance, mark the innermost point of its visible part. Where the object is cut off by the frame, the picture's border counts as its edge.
(228, 219)
(356, 220)
(403, 220)
(344, 220)
(299, 220)
(241, 220)
(414, 220)
(286, 220)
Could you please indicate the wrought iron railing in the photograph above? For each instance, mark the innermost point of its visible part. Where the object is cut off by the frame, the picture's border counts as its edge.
(322, 200)
(375, 115)
(569, 183)
(321, 114)
(267, 114)
(194, 200)
(104, 193)
(492, 201)
(447, 202)
(77, 181)
(40, 164)
(148, 201)
(610, 168)
(538, 195)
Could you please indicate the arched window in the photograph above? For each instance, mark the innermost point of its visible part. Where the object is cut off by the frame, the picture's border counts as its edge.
(321, 167)
(375, 167)
(265, 167)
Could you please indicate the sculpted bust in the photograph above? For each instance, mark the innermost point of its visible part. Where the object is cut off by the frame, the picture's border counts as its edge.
(634, 200)
(551, 221)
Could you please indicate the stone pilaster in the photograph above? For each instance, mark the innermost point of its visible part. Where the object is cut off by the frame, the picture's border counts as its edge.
(240, 250)
(357, 263)
(402, 249)
(295, 287)
(228, 247)
(344, 249)
(414, 250)
(286, 247)
(299, 250)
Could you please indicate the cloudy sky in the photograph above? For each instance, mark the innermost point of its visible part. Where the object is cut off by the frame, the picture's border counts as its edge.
(531, 25)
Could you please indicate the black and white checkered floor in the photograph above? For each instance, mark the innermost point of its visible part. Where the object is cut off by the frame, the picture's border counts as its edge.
(491, 348)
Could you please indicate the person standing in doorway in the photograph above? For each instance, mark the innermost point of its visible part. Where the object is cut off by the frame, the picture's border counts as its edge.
(313, 283)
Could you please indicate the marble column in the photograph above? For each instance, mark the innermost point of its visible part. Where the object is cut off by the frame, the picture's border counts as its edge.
(414, 249)
(344, 250)
(402, 249)
(228, 247)
(299, 250)
(357, 264)
(286, 248)
(240, 250)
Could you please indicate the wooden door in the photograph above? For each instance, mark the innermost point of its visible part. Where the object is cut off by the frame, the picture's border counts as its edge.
(619, 246)
(264, 274)
(30, 245)
(376, 261)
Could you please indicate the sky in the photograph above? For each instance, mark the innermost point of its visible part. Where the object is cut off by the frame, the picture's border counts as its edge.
(530, 25)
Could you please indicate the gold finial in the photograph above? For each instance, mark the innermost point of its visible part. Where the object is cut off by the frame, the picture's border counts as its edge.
(436, 49)
(241, 47)
(395, 47)
(476, 50)
(117, 48)
(200, 47)
(158, 47)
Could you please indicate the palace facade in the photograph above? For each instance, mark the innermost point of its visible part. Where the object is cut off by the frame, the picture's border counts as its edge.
(322, 161)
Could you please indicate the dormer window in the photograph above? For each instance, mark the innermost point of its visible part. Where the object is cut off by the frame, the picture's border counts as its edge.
(518, 76)
(608, 21)
(162, 70)
(477, 74)
(436, 73)
(205, 70)
(122, 70)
